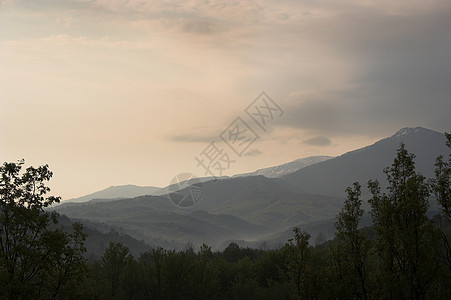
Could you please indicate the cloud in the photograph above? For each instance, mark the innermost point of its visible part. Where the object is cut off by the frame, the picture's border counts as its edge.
(192, 138)
(396, 71)
(369, 67)
(201, 27)
(253, 152)
(317, 141)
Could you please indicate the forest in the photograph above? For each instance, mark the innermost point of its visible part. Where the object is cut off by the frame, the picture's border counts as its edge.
(405, 254)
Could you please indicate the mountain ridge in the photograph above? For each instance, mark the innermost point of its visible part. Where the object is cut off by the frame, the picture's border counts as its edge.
(251, 208)
(117, 192)
(331, 177)
(286, 168)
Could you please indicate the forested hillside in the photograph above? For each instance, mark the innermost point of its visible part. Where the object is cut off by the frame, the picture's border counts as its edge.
(403, 255)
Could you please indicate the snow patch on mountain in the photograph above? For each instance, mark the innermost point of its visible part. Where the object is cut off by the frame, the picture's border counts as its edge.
(287, 168)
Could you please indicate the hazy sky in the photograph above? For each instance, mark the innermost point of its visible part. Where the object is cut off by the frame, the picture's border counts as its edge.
(130, 92)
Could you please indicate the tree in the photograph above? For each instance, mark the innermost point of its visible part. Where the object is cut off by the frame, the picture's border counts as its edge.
(441, 187)
(150, 264)
(441, 184)
(114, 262)
(232, 252)
(356, 247)
(407, 241)
(204, 280)
(298, 255)
(175, 274)
(320, 239)
(37, 259)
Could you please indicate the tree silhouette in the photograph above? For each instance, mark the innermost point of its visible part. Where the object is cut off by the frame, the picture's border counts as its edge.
(407, 241)
(37, 259)
(356, 246)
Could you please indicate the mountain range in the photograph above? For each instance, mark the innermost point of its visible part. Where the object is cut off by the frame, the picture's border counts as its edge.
(332, 176)
(254, 209)
(287, 168)
(130, 190)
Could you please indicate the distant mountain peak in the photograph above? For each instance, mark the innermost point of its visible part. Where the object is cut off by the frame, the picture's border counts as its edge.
(287, 168)
(333, 176)
(410, 130)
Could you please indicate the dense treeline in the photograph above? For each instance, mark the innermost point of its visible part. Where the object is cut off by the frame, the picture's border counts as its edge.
(296, 271)
(404, 255)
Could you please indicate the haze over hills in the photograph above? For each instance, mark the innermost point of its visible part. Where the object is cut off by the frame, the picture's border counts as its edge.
(258, 208)
(234, 208)
(143, 218)
(131, 191)
(98, 237)
(122, 191)
(126, 191)
(266, 201)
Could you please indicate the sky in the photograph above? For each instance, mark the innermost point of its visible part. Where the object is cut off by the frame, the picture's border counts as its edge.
(136, 92)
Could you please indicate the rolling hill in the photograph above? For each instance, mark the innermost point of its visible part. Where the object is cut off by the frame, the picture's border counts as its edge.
(253, 209)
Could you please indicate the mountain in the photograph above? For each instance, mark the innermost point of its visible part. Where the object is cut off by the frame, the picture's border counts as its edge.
(144, 219)
(128, 191)
(254, 209)
(234, 208)
(331, 177)
(99, 236)
(121, 191)
(266, 201)
(287, 168)
(131, 191)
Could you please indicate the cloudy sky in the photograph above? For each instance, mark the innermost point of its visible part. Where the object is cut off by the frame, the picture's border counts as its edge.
(131, 92)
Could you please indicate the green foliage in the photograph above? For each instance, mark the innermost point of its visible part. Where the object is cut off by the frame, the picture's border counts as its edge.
(298, 254)
(349, 217)
(352, 250)
(441, 184)
(441, 187)
(399, 257)
(37, 259)
(407, 240)
(114, 264)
